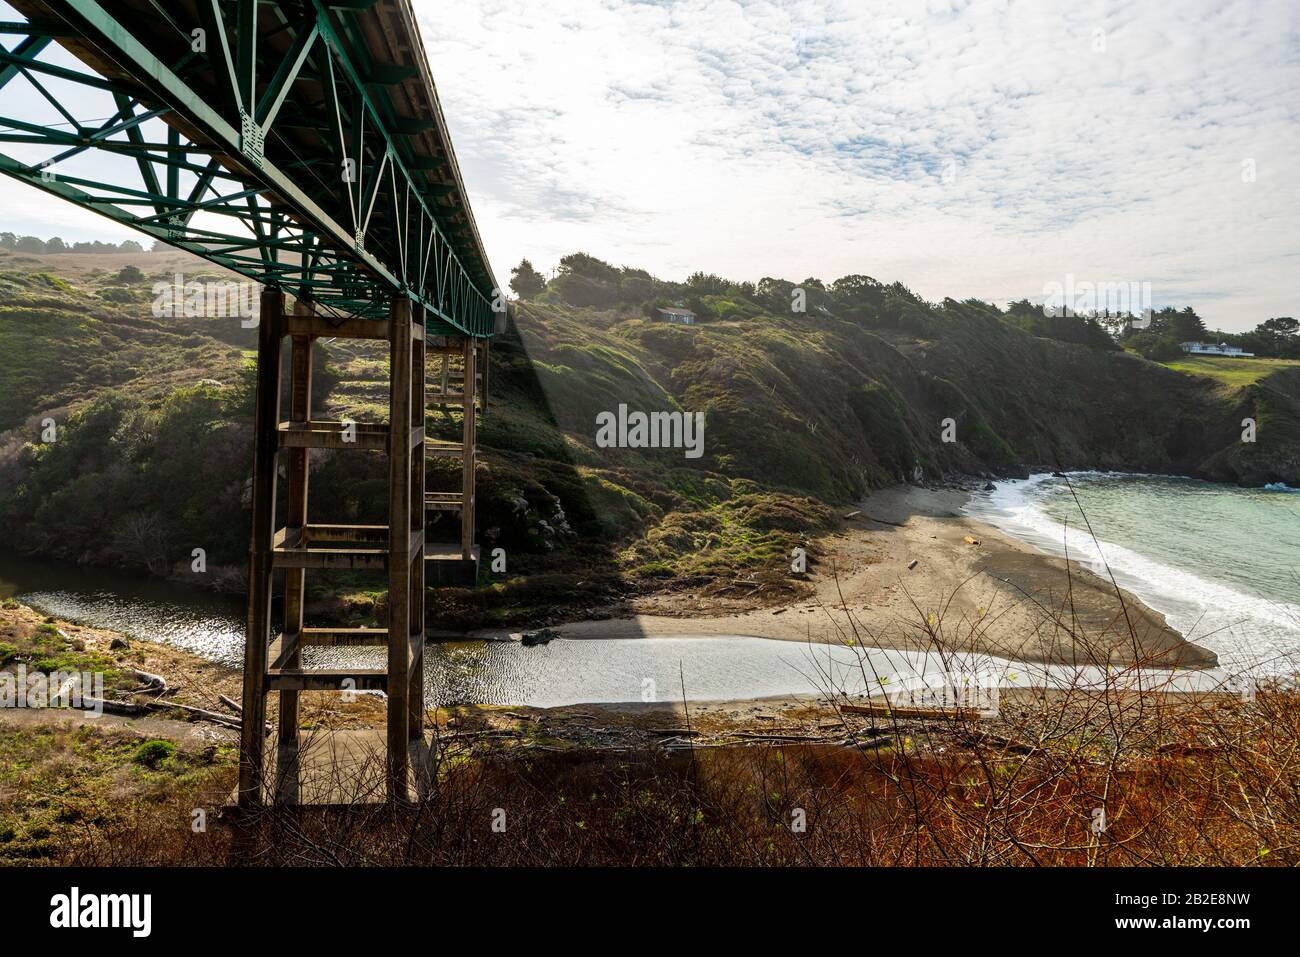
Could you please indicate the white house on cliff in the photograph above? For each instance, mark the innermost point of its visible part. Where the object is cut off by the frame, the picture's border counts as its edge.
(1222, 349)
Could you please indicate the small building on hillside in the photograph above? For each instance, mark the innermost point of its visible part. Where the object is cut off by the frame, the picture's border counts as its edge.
(1222, 349)
(682, 317)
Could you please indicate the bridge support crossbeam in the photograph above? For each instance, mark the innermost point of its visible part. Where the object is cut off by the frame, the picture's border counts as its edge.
(462, 383)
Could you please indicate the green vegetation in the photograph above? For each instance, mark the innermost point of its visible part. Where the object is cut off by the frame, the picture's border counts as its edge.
(128, 484)
(829, 404)
(63, 343)
(61, 784)
(1162, 337)
(811, 394)
(1085, 330)
(525, 281)
(153, 753)
(34, 244)
(1233, 372)
(749, 532)
(46, 649)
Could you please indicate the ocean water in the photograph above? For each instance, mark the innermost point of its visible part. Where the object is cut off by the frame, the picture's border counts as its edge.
(1222, 563)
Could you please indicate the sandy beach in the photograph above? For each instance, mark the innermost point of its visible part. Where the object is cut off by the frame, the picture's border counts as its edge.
(911, 572)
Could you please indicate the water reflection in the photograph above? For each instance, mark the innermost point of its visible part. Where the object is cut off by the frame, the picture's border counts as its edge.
(202, 622)
(606, 670)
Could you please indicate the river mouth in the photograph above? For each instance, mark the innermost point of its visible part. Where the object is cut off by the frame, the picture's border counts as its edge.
(563, 672)
(621, 670)
(741, 668)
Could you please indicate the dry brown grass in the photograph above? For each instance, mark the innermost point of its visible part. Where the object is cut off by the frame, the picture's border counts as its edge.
(1182, 783)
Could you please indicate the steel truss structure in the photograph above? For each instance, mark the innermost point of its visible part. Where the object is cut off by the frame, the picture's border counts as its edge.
(268, 138)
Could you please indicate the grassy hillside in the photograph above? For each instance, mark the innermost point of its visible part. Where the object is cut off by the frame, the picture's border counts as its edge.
(803, 411)
(1234, 372)
(63, 339)
(831, 407)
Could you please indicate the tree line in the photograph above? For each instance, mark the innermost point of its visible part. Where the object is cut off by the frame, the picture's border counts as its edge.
(585, 281)
(55, 244)
(1161, 337)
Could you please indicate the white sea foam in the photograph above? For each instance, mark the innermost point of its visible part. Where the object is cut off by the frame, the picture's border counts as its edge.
(1249, 633)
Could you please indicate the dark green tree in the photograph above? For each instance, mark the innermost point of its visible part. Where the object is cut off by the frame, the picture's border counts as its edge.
(584, 280)
(526, 281)
(1281, 326)
(857, 295)
(1187, 326)
(707, 284)
(775, 294)
(1275, 337)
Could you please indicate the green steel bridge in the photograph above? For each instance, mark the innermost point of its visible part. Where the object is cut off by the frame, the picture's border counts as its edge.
(300, 144)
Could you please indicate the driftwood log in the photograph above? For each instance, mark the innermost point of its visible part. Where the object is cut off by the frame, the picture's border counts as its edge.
(868, 744)
(988, 739)
(128, 709)
(222, 719)
(894, 711)
(156, 684)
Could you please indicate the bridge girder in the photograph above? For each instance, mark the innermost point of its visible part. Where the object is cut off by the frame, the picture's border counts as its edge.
(271, 124)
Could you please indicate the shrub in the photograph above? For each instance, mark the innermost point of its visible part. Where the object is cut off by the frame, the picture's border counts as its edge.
(1156, 348)
(116, 294)
(153, 753)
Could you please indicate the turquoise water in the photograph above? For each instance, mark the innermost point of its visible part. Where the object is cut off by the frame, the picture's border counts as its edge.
(1222, 563)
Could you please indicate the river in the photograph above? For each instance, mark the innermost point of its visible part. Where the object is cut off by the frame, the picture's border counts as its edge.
(563, 672)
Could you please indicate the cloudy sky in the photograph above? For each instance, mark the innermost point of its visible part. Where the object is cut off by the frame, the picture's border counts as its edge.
(987, 149)
(968, 149)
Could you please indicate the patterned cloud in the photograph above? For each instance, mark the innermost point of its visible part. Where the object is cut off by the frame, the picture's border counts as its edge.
(966, 148)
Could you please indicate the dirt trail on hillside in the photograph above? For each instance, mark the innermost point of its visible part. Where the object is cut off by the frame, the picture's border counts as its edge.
(994, 595)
